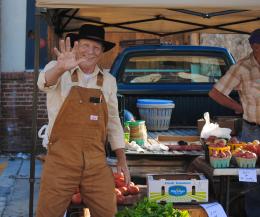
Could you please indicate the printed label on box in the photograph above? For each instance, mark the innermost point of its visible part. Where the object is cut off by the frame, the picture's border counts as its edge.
(178, 190)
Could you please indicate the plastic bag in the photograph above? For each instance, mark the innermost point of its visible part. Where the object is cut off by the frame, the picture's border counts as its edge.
(133, 146)
(155, 146)
(213, 129)
(43, 134)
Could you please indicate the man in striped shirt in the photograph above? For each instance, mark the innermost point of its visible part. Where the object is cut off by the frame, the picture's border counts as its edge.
(244, 77)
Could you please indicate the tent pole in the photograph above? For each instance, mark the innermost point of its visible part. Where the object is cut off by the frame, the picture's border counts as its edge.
(34, 108)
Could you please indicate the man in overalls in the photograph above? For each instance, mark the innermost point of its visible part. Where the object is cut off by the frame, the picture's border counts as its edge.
(83, 112)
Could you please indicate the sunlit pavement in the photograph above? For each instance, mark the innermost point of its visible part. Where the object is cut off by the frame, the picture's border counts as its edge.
(15, 186)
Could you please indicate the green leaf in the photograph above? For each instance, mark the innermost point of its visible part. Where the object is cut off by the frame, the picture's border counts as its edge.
(146, 208)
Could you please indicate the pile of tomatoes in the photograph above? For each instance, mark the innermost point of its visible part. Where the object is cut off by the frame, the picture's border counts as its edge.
(123, 191)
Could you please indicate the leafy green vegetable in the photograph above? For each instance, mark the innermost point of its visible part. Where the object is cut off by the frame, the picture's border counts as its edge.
(146, 208)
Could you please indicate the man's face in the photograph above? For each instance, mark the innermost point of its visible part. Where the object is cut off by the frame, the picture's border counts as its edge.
(91, 51)
(256, 50)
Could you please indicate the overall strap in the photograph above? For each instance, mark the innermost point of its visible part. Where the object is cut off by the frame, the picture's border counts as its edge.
(100, 79)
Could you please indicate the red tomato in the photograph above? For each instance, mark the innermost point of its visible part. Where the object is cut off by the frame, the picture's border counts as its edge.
(133, 189)
(250, 155)
(118, 175)
(123, 190)
(117, 191)
(132, 183)
(252, 148)
(76, 198)
(119, 183)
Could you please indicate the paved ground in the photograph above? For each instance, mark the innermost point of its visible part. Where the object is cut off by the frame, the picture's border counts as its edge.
(14, 186)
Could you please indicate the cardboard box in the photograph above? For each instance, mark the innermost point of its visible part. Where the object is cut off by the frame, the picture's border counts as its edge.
(232, 122)
(179, 187)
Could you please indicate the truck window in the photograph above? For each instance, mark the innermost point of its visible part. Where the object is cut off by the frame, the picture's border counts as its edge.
(174, 69)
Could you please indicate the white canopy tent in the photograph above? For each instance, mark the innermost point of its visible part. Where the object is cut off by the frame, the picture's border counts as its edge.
(242, 4)
(165, 17)
(161, 18)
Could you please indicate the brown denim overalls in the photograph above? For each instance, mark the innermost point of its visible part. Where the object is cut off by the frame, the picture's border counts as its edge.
(76, 156)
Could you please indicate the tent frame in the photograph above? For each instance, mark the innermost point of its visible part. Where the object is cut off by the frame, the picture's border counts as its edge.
(58, 16)
(38, 16)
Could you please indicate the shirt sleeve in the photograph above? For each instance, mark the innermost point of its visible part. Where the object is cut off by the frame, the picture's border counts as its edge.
(42, 81)
(229, 81)
(115, 130)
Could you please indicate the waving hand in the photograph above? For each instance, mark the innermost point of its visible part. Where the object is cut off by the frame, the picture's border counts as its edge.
(67, 57)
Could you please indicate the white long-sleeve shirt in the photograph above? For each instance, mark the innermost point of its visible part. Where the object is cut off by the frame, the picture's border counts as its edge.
(57, 93)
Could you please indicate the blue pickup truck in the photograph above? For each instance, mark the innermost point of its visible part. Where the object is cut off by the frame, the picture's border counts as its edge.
(184, 74)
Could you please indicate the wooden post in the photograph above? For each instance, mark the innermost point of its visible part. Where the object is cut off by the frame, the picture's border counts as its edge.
(195, 38)
(35, 106)
(186, 39)
(53, 41)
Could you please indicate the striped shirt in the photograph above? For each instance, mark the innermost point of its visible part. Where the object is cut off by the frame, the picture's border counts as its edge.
(245, 78)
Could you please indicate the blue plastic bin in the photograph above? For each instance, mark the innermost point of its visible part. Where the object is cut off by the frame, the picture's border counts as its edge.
(156, 113)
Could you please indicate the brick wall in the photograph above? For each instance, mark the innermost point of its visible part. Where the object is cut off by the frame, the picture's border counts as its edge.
(16, 114)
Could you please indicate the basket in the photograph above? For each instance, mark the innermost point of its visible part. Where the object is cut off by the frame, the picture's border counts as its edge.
(220, 162)
(156, 113)
(211, 149)
(234, 146)
(246, 162)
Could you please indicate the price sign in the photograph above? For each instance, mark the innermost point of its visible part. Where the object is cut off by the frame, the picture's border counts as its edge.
(247, 175)
(214, 210)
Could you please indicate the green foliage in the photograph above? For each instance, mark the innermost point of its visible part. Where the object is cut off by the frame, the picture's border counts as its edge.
(146, 208)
